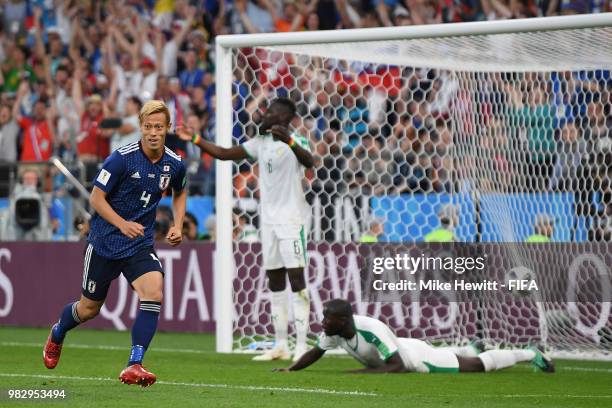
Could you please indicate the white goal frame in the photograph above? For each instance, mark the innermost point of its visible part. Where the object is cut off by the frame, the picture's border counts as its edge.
(224, 268)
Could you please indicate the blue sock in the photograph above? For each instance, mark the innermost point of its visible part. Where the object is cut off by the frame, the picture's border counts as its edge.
(144, 330)
(68, 320)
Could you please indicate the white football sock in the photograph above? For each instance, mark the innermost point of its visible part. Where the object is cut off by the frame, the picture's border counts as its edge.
(301, 314)
(280, 319)
(524, 355)
(462, 351)
(498, 359)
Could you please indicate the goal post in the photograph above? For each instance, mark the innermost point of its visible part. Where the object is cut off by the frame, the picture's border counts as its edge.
(224, 252)
(487, 107)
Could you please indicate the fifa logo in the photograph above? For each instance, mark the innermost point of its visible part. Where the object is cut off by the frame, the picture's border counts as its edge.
(91, 286)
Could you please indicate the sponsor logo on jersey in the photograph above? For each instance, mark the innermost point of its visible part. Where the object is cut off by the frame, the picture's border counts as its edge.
(136, 175)
(164, 181)
(103, 177)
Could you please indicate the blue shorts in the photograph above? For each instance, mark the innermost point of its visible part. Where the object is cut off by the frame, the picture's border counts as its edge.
(100, 272)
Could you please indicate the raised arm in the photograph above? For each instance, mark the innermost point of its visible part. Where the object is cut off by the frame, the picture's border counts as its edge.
(514, 95)
(241, 8)
(298, 20)
(98, 13)
(39, 47)
(218, 152)
(132, 48)
(159, 43)
(383, 13)
(51, 116)
(343, 12)
(89, 46)
(501, 9)
(24, 87)
(271, 9)
(415, 11)
(180, 36)
(73, 46)
(220, 19)
(552, 7)
(77, 88)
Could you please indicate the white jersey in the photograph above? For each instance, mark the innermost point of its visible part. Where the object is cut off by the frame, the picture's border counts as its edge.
(374, 343)
(280, 179)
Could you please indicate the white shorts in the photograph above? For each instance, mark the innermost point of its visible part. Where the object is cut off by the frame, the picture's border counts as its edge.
(421, 357)
(283, 246)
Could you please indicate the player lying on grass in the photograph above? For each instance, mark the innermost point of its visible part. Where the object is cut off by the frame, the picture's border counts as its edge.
(125, 196)
(373, 344)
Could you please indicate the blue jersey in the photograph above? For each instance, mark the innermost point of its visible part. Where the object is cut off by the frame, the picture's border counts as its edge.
(133, 186)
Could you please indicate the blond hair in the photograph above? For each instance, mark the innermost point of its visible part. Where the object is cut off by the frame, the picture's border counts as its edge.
(151, 107)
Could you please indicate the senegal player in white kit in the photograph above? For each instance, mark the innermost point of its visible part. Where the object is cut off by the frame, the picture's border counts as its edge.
(282, 156)
(373, 344)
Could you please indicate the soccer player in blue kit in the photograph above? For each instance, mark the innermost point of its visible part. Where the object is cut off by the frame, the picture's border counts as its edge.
(125, 196)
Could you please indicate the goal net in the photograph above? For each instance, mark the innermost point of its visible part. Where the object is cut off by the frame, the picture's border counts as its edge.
(501, 131)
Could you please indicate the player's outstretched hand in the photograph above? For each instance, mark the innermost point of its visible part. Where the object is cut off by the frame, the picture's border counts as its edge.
(281, 133)
(175, 236)
(281, 369)
(132, 229)
(184, 133)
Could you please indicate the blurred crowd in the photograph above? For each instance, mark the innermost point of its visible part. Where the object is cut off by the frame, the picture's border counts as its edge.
(380, 130)
(74, 74)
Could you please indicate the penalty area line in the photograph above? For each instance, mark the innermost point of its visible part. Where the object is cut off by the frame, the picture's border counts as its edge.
(203, 385)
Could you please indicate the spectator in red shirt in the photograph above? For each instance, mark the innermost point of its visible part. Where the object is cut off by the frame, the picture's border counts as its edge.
(38, 134)
(92, 144)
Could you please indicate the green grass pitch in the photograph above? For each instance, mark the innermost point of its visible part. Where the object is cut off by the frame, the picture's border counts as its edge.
(191, 374)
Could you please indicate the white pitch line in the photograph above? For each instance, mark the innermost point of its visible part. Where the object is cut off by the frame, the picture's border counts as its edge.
(201, 385)
(601, 370)
(549, 396)
(571, 368)
(103, 347)
(289, 389)
(127, 348)
(195, 351)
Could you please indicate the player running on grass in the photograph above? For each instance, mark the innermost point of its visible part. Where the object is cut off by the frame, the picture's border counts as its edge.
(373, 344)
(282, 155)
(125, 196)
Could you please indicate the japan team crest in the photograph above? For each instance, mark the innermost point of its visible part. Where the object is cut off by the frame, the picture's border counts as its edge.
(164, 181)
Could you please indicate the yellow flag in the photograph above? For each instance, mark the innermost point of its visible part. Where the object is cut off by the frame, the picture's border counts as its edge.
(164, 6)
